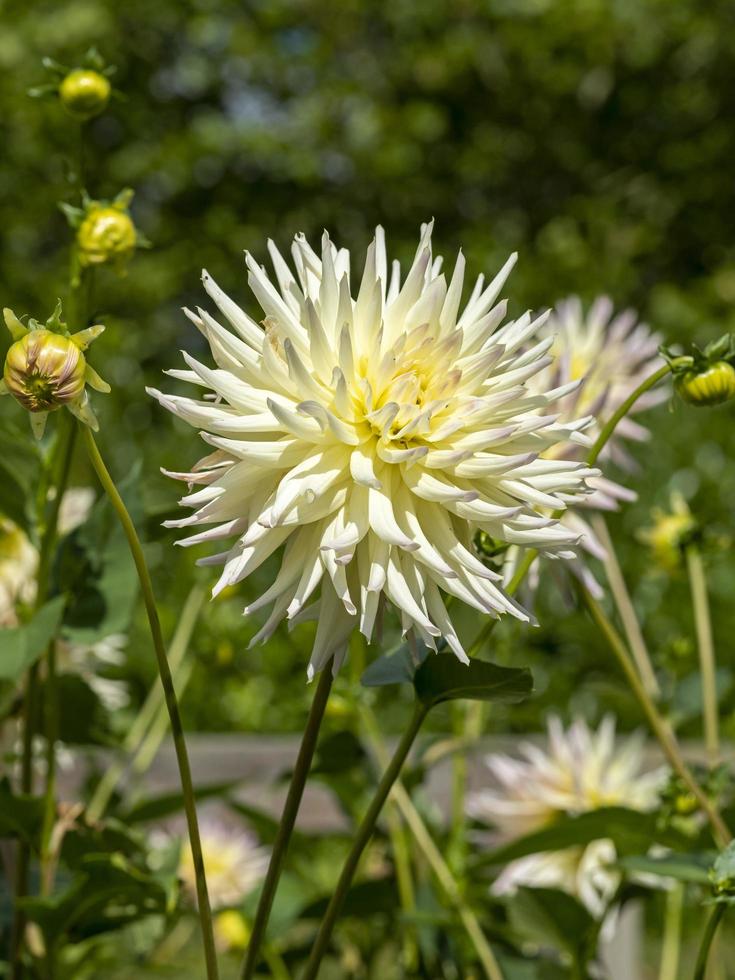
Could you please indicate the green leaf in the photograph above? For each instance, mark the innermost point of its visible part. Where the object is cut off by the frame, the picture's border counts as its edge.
(441, 677)
(629, 829)
(21, 646)
(683, 867)
(109, 893)
(21, 816)
(158, 807)
(391, 668)
(552, 917)
(82, 718)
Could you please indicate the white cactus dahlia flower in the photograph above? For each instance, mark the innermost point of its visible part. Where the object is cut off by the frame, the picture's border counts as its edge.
(581, 770)
(610, 355)
(372, 435)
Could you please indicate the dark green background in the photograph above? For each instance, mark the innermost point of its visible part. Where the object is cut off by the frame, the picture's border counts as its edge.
(597, 138)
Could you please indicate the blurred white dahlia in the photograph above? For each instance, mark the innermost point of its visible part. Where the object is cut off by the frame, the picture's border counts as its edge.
(373, 436)
(581, 770)
(610, 355)
(234, 864)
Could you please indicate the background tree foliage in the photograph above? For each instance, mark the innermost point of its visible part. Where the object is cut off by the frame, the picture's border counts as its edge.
(595, 137)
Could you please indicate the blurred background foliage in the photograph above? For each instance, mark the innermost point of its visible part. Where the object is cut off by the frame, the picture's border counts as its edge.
(594, 136)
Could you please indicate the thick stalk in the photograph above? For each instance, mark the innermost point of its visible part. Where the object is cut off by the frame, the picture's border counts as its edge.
(177, 732)
(146, 718)
(364, 833)
(620, 594)
(710, 929)
(438, 865)
(288, 819)
(660, 728)
(671, 946)
(706, 648)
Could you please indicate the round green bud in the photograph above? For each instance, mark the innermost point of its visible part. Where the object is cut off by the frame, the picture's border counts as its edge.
(84, 93)
(44, 370)
(107, 234)
(712, 386)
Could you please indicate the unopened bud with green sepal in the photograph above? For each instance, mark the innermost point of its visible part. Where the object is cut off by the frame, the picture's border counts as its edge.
(84, 91)
(46, 369)
(704, 377)
(105, 231)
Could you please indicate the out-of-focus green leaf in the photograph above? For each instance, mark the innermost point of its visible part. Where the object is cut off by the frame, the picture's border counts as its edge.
(158, 807)
(683, 867)
(21, 646)
(629, 829)
(548, 916)
(21, 816)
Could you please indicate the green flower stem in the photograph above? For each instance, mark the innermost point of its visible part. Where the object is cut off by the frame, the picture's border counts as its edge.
(145, 720)
(439, 866)
(364, 833)
(164, 670)
(710, 929)
(659, 726)
(625, 607)
(288, 819)
(671, 946)
(617, 416)
(404, 879)
(705, 645)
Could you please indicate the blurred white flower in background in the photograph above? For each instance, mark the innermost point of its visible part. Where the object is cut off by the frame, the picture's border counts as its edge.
(373, 436)
(611, 354)
(234, 863)
(581, 770)
(18, 567)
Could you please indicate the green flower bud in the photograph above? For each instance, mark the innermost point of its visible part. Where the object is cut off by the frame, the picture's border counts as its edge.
(84, 93)
(44, 371)
(107, 234)
(712, 386)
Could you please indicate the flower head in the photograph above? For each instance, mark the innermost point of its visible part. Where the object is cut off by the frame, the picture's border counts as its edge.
(610, 355)
(581, 771)
(372, 435)
(45, 368)
(234, 863)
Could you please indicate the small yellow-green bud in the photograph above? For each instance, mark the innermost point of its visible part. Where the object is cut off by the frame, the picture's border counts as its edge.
(712, 386)
(670, 533)
(44, 370)
(84, 93)
(231, 931)
(107, 234)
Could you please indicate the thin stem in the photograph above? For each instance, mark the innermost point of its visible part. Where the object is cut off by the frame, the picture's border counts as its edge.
(707, 939)
(622, 410)
(439, 866)
(660, 728)
(706, 647)
(620, 594)
(671, 946)
(288, 819)
(404, 880)
(172, 705)
(364, 833)
(153, 705)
